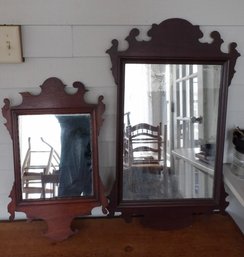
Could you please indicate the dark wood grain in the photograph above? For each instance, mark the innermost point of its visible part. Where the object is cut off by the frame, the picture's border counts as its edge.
(173, 41)
(58, 212)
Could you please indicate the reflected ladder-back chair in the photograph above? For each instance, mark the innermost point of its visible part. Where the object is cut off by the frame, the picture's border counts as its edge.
(38, 163)
(146, 145)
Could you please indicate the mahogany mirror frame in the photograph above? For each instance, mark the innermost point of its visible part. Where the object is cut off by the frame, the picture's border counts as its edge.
(57, 212)
(173, 41)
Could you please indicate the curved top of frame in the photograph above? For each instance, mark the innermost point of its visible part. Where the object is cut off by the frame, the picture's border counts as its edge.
(174, 39)
(53, 95)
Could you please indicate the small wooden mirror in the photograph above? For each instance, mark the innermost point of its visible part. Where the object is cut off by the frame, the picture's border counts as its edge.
(172, 99)
(55, 144)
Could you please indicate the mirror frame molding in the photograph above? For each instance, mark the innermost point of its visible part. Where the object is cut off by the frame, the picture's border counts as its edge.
(173, 41)
(57, 212)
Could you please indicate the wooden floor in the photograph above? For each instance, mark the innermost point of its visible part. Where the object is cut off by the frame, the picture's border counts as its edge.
(209, 236)
(146, 185)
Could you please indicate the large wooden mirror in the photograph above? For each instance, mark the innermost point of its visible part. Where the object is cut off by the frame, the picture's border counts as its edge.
(172, 97)
(55, 143)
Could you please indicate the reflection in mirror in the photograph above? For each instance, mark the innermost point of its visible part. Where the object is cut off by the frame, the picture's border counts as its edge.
(55, 155)
(55, 147)
(170, 130)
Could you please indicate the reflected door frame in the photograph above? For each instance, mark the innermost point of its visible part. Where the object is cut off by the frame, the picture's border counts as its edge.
(186, 96)
(183, 100)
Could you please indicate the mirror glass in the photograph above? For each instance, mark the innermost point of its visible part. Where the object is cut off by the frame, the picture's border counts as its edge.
(170, 130)
(55, 155)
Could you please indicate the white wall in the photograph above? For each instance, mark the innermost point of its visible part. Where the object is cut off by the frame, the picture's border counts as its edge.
(68, 40)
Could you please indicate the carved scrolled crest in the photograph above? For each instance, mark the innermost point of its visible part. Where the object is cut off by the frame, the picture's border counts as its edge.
(7, 115)
(53, 88)
(172, 40)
